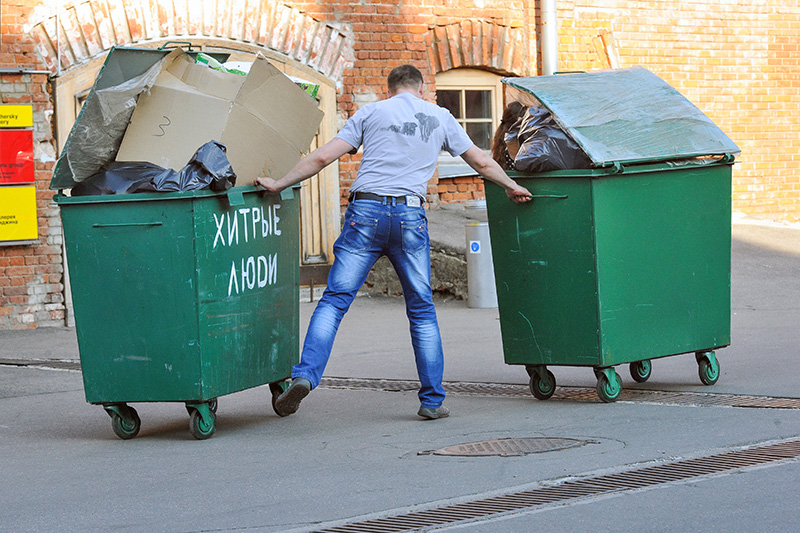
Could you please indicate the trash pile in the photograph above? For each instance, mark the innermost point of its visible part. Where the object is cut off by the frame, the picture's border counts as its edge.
(152, 112)
(543, 145)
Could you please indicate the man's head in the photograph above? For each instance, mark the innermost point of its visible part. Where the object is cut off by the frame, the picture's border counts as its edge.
(405, 78)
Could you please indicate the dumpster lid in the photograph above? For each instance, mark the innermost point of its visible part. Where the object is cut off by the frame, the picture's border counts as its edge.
(122, 65)
(625, 116)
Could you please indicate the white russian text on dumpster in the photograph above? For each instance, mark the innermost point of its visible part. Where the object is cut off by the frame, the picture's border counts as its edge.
(244, 225)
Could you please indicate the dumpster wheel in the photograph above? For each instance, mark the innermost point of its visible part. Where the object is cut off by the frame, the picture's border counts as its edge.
(542, 383)
(609, 384)
(707, 367)
(202, 420)
(640, 370)
(125, 420)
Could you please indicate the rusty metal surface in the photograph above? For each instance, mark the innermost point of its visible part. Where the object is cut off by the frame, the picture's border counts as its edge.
(508, 447)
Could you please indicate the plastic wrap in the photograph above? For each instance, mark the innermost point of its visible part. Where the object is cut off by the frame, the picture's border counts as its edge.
(626, 116)
(209, 168)
(98, 133)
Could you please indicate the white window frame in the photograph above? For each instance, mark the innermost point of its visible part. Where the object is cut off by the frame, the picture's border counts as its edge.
(462, 79)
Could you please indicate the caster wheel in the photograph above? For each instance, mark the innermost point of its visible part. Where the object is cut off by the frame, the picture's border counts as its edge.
(542, 389)
(640, 370)
(212, 406)
(201, 429)
(126, 427)
(277, 389)
(708, 368)
(609, 390)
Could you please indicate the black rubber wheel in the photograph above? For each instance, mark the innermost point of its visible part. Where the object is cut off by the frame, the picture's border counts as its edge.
(200, 429)
(126, 428)
(608, 391)
(708, 371)
(542, 389)
(640, 370)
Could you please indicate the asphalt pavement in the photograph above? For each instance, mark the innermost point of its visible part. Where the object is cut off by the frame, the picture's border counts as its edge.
(356, 450)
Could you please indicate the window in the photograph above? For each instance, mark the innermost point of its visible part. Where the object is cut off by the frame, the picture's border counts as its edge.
(473, 110)
(475, 98)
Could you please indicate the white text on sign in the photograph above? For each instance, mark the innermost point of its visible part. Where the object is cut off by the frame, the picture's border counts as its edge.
(242, 226)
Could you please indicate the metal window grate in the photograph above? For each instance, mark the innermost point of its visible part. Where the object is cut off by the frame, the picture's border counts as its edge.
(648, 476)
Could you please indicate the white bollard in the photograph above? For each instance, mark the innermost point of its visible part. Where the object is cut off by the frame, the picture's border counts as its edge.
(481, 291)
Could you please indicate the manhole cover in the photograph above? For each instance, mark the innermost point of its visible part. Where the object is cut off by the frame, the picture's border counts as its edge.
(509, 447)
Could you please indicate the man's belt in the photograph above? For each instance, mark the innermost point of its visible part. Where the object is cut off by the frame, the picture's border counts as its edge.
(410, 199)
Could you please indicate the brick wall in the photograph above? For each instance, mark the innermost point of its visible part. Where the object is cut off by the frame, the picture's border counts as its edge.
(31, 290)
(738, 61)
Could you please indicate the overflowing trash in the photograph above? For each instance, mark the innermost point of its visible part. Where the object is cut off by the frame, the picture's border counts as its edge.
(209, 168)
(543, 145)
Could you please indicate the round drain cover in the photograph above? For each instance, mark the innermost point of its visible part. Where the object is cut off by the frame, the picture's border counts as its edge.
(509, 447)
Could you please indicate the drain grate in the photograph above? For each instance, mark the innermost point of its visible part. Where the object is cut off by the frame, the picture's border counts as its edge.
(576, 489)
(509, 447)
(55, 364)
(574, 394)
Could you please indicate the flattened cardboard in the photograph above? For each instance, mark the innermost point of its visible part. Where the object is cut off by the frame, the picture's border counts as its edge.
(265, 121)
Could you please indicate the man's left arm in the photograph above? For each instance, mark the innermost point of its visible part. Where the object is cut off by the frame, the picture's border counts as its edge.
(489, 169)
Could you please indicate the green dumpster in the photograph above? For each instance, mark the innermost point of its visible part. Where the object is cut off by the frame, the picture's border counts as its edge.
(624, 262)
(182, 296)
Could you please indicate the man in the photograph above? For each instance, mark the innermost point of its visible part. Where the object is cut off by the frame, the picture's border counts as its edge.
(402, 138)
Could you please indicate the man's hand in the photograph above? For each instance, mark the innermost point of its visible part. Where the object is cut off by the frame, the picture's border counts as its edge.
(519, 194)
(269, 184)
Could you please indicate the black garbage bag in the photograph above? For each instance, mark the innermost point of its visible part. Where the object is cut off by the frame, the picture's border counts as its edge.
(209, 168)
(544, 146)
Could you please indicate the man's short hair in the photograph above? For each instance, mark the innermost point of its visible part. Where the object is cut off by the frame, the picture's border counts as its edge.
(407, 76)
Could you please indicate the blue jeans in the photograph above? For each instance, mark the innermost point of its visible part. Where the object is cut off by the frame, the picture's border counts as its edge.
(374, 228)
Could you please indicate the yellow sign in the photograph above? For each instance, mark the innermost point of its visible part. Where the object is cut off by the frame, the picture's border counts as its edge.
(18, 220)
(16, 115)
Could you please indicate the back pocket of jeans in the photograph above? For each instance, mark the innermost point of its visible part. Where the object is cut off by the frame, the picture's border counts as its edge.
(359, 232)
(415, 236)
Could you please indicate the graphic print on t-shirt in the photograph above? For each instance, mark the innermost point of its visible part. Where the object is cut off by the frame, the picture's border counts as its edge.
(409, 128)
(427, 123)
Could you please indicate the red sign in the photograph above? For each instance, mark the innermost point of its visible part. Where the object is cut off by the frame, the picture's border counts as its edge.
(16, 156)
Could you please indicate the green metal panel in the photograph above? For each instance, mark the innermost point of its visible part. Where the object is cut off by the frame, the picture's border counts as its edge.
(543, 254)
(663, 261)
(133, 284)
(248, 291)
(626, 115)
(163, 308)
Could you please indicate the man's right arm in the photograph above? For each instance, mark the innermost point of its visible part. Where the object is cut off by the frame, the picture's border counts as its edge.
(309, 166)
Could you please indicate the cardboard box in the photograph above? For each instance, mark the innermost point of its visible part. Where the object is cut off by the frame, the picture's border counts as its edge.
(265, 121)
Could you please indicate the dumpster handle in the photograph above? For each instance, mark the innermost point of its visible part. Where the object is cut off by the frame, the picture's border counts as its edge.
(176, 42)
(125, 224)
(556, 196)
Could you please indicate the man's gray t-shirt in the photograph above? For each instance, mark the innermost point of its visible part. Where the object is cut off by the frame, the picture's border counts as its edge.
(402, 138)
